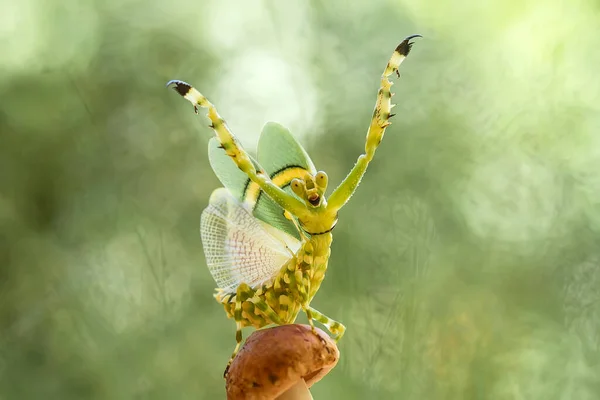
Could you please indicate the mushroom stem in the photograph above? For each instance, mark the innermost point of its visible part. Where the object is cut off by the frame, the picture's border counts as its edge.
(297, 392)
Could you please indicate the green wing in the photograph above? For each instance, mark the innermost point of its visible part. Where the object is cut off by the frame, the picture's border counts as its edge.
(281, 156)
(228, 173)
(284, 159)
(278, 149)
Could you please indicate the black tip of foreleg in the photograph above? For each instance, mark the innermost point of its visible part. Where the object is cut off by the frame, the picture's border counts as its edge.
(404, 47)
(180, 87)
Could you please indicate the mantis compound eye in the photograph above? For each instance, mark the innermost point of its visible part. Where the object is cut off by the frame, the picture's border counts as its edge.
(321, 180)
(298, 187)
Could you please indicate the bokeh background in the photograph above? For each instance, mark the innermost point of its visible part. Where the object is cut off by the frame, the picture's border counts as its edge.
(467, 265)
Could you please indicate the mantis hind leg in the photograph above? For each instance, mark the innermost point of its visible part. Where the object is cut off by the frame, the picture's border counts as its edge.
(245, 295)
(242, 293)
(336, 328)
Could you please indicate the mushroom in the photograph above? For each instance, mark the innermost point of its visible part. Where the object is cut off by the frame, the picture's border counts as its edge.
(281, 363)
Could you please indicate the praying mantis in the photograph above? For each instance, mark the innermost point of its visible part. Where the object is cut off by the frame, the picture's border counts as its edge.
(267, 233)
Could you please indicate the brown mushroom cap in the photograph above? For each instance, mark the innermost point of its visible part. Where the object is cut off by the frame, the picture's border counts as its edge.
(273, 360)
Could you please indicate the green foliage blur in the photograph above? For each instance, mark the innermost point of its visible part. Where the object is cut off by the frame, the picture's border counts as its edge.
(467, 265)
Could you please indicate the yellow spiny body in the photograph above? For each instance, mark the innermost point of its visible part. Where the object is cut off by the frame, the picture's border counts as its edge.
(295, 285)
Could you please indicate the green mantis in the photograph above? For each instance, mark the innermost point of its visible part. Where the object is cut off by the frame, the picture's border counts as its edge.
(267, 233)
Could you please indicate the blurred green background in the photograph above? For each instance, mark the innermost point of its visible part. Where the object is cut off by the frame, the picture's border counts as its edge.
(467, 265)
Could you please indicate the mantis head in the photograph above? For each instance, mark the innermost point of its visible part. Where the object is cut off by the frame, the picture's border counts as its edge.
(311, 188)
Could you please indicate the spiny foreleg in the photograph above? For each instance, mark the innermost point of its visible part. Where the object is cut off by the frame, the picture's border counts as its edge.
(379, 122)
(236, 152)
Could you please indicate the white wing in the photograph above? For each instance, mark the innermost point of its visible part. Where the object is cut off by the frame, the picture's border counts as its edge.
(238, 247)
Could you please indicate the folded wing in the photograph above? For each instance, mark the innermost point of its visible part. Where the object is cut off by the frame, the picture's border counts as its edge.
(238, 247)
